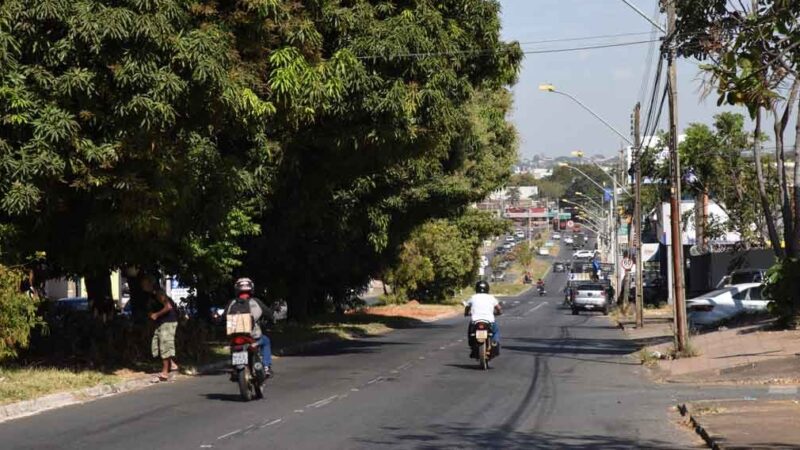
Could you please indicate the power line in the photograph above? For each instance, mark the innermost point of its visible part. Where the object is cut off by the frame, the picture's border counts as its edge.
(586, 38)
(498, 50)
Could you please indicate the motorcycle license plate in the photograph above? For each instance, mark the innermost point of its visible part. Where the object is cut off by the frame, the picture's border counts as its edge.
(239, 358)
(481, 334)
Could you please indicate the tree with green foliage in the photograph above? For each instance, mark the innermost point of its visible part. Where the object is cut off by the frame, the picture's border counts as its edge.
(753, 54)
(513, 195)
(523, 254)
(714, 159)
(131, 134)
(575, 182)
(441, 257)
(18, 315)
(418, 132)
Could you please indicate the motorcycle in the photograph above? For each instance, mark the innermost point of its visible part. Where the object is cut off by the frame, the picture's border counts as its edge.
(541, 290)
(481, 336)
(247, 367)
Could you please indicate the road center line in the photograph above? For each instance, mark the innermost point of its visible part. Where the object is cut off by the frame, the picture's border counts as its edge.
(324, 401)
(229, 434)
(534, 308)
(269, 424)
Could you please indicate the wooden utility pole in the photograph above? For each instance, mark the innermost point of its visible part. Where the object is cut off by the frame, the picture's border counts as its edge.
(637, 213)
(681, 338)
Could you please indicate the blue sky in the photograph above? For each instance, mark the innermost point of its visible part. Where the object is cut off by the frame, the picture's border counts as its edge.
(607, 80)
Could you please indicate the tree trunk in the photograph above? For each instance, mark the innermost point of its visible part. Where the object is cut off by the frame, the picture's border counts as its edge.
(762, 191)
(796, 237)
(786, 203)
(98, 290)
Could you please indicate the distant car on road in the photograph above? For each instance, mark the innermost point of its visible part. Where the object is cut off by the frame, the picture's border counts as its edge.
(509, 238)
(556, 236)
(498, 276)
(508, 246)
(568, 240)
(716, 306)
(590, 297)
(544, 251)
(583, 254)
(519, 235)
(559, 267)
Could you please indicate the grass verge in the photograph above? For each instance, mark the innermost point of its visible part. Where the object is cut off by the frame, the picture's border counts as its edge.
(24, 383)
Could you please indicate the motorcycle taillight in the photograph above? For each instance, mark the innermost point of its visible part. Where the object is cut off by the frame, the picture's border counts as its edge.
(481, 326)
(242, 340)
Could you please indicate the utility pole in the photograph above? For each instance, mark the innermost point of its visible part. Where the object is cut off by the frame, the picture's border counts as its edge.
(676, 238)
(637, 213)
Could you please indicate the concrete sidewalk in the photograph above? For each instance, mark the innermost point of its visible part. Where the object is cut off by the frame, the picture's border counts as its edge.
(746, 424)
(747, 354)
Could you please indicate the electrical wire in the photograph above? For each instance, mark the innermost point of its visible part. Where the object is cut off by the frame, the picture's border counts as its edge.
(497, 50)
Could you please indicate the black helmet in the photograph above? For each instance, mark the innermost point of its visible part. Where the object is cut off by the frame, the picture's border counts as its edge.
(243, 285)
(482, 287)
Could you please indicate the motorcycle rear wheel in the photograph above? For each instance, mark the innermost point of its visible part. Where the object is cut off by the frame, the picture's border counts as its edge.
(483, 357)
(244, 385)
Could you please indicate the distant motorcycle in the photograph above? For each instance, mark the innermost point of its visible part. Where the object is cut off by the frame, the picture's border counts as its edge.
(247, 366)
(540, 289)
(481, 337)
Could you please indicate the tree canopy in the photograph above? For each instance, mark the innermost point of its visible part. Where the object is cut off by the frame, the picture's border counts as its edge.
(301, 143)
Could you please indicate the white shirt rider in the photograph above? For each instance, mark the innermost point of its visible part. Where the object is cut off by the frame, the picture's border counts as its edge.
(482, 307)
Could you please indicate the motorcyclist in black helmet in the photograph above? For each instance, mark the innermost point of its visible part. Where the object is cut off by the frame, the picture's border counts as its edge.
(484, 306)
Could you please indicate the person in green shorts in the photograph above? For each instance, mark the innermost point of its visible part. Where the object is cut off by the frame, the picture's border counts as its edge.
(163, 313)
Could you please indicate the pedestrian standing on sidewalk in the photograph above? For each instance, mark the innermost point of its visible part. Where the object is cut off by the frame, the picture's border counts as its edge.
(162, 311)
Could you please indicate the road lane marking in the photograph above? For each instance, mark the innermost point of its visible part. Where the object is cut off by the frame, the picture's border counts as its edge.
(354, 389)
(298, 411)
(534, 308)
(374, 380)
(269, 424)
(206, 446)
(229, 434)
(782, 390)
(324, 401)
(404, 366)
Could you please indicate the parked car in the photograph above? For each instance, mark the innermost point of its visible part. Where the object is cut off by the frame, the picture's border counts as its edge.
(71, 304)
(590, 297)
(556, 236)
(716, 306)
(509, 238)
(559, 267)
(740, 276)
(508, 246)
(583, 254)
(544, 251)
(519, 235)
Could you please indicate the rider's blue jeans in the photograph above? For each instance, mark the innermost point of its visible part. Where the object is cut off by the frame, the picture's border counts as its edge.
(266, 350)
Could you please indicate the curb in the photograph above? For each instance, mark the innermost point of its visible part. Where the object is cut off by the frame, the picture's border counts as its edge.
(710, 441)
(61, 399)
(34, 406)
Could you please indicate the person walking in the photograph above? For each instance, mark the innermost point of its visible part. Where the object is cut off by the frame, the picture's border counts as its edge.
(163, 313)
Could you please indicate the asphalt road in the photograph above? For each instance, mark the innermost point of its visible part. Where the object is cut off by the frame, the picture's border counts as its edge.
(561, 381)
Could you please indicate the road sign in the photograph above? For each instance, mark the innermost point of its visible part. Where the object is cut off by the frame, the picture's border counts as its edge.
(627, 264)
(570, 224)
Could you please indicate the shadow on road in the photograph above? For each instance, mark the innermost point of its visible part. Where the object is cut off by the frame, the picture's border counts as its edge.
(224, 397)
(463, 435)
(466, 366)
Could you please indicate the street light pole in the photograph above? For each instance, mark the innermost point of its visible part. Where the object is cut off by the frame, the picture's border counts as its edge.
(675, 191)
(637, 214)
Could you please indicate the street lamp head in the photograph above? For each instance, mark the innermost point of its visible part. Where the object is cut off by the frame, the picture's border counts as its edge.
(577, 154)
(547, 87)
(563, 164)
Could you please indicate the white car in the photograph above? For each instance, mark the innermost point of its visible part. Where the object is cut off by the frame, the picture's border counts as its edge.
(509, 238)
(581, 254)
(568, 240)
(544, 251)
(716, 306)
(556, 236)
